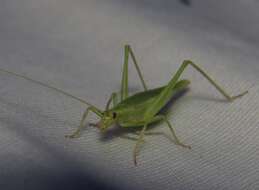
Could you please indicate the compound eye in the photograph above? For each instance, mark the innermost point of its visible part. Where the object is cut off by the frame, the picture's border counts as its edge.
(114, 115)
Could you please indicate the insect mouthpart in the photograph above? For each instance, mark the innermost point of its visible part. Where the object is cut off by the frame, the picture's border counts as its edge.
(101, 125)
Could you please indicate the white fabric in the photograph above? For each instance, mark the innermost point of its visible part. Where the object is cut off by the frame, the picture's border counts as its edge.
(78, 46)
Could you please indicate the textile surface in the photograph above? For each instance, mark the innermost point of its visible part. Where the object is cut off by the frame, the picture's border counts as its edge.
(78, 46)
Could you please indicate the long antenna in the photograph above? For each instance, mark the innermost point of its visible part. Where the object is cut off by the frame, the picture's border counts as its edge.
(47, 86)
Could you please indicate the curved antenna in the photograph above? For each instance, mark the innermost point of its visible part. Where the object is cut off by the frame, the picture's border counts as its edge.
(48, 86)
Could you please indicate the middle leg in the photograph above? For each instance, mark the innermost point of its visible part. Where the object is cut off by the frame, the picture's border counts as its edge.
(178, 142)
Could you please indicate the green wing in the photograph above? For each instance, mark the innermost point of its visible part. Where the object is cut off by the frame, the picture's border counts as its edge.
(131, 110)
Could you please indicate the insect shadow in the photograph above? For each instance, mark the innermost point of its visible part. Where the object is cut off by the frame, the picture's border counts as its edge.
(186, 2)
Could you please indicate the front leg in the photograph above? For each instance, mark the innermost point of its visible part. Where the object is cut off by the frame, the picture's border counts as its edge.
(77, 133)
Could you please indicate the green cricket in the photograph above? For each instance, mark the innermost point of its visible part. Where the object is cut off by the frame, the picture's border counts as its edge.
(138, 110)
